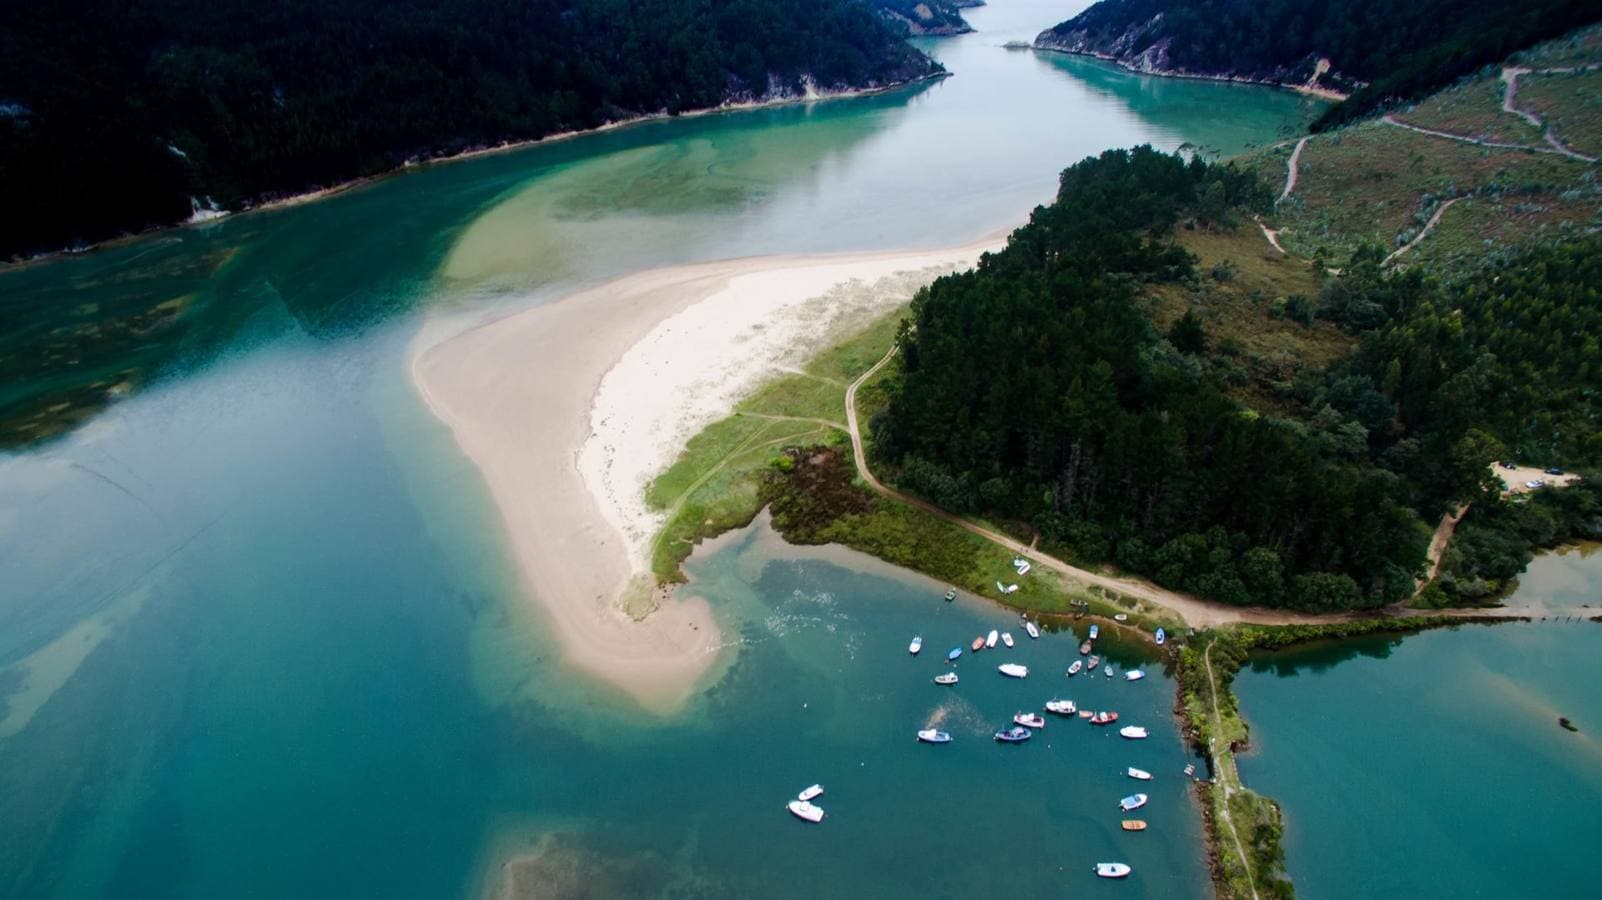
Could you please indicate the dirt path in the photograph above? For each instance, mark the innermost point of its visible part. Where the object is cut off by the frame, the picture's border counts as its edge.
(1437, 551)
(1423, 232)
(1272, 234)
(1478, 142)
(1290, 175)
(1510, 93)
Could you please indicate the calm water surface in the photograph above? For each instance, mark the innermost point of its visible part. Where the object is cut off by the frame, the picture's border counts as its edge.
(258, 635)
(1433, 765)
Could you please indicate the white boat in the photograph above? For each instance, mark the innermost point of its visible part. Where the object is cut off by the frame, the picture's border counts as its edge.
(1139, 774)
(1133, 801)
(1095, 631)
(991, 638)
(804, 810)
(931, 736)
(1013, 670)
(1108, 671)
(1006, 638)
(916, 645)
(1034, 633)
(1061, 707)
(1133, 732)
(1112, 870)
(1120, 618)
(946, 678)
(1134, 675)
(1029, 720)
(810, 793)
(1074, 669)
(1162, 637)
(1007, 588)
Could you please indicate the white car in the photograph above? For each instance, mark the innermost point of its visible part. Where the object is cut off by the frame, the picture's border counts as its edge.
(1532, 485)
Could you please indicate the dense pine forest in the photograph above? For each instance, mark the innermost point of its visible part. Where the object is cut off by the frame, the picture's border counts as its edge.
(1399, 50)
(1036, 389)
(114, 115)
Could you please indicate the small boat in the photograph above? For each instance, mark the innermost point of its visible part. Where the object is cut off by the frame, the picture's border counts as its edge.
(1013, 670)
(1084, 649)
(1134, 824)
(1139, 774)
(1108, 671)
(1034, 633)
(1061, 707)
(1112, 870)
(955, 652)
(811, 793)
(951, 595)
(1120, 618)
(1133, 801)
(991, 638)
(1162, 637)
(1133, 732)
(1104, 718)
(946, 678)
(1086, 714)
(1022, 566)
(1094, 661)
(978, 644)
(1029, 720)
(1006, 638)
(1095, 631)
(1134, 675)
(804, 810)
(1190, 769)
(916, 645)
(930, 736)
(1017, 734)
(1074, 669)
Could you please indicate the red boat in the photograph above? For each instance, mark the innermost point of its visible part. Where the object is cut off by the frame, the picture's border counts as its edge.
(1104, 718)
(978, 644)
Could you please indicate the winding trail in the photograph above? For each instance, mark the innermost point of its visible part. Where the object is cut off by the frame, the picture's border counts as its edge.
(1479, 142)
(1423, 232)
(1510, 93)
(1290, 174)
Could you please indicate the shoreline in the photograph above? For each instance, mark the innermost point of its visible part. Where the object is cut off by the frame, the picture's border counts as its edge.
(1305, 89)
(522, 396)
(322, 193)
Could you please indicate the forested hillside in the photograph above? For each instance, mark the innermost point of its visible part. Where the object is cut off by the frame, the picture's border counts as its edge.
(928, 16)
(114, 115)
(1036, 389)
(1399, 50)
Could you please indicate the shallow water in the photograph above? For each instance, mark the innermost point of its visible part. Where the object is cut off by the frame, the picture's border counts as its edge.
(258, 634)
(1433, 765)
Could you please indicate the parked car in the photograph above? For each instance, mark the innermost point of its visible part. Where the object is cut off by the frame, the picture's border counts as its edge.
(1508, 465)
(1554, 471)
(1532, 485)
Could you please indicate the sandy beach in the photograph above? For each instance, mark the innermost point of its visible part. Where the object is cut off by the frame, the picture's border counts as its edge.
(568, 409)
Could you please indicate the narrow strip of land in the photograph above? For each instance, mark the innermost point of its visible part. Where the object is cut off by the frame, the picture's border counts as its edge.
(1224, 771)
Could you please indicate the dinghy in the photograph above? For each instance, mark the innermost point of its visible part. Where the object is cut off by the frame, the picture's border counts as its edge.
(1084, 649)
(1034, 633)
(991, 638)
(811, 793)
(1086, 714)
(978, 644)
(946, 678)
(1133, 732)
(1017, 734)
(930, 736)
(1139, 774)
(1095, 631)
(1074, 669)
(1162, 637)
(951, 595)
(1006, 638)
(1061, 707)
(806, 811)
(1120, 618)
(1112, 870)
(916, 645)
(1092, 664)
(1029, 720)
(1013, 670)
(955, 652)
(1104, 718)
(1108, 671)
(1134, 675)
(1133, 801)
(1134, 824)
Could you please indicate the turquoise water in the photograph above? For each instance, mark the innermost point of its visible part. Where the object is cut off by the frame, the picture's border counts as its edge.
(258, 634)
(1433, 766)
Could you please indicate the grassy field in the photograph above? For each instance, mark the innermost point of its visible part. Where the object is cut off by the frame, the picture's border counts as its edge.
(1474, 109)
(1571, 103)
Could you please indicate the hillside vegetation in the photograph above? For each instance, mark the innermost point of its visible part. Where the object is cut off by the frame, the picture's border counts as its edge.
(116, 117)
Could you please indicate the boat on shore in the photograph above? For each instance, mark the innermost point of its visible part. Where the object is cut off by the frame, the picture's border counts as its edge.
(1121, 618)
(811, 793)
(978, 644)
(1162, 637)
(1104, 718)
(1006, 638)
(1095, 631)
(1074, 669)
(951, 595)
(1139, 774)
(991, 638)
(1013, 670)
(1061, 707)
(946, 678)
(1017, 734)
(916, 646)
(1113, 870)
(1091, 665)
(1133, 732)
(1031, 630)
(1029, 720)
(1133, 801)
(955, 652)
(931, 736)
(1134, 675)
(801, 809)
(1133, 824)
(1084, 648)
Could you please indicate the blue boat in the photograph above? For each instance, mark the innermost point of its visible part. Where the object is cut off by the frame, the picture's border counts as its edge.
(1094, 631)
(1162, 636)
(1017, 734)
(955, 652)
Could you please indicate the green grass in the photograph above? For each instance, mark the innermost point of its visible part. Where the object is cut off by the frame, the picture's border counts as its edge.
(1570, 102)
(1474, 109)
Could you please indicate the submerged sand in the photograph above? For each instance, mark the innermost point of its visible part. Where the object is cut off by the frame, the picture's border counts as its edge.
(570, 408)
